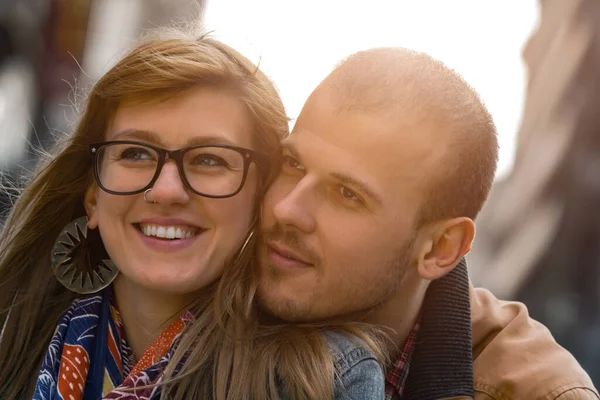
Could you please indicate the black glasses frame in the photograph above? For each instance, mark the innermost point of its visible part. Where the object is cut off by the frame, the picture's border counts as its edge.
(250, 156)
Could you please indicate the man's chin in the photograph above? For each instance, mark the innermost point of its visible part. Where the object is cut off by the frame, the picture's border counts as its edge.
(284, 309)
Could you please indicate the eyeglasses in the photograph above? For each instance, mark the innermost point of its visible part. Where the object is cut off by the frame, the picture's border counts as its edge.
(130, 167)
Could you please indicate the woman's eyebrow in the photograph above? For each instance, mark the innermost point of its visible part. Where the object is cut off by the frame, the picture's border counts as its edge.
(154, 137)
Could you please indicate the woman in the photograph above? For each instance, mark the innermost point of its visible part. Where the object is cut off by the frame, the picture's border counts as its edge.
(122, 236)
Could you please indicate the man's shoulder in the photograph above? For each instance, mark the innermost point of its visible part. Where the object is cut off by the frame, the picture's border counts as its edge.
(516, 357)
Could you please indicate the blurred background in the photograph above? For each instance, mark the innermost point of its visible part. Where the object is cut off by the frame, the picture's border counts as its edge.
(534, 63)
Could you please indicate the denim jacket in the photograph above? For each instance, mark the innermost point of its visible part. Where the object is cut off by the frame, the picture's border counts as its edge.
(359, 376)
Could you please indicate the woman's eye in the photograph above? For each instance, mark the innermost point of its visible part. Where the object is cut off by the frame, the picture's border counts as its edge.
(210, 160)
(291, 162)
(136, 153)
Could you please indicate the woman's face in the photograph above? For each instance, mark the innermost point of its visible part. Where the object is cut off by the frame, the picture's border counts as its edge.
(138, 235)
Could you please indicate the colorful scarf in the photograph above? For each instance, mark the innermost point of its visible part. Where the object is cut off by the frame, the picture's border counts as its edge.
(88, 357)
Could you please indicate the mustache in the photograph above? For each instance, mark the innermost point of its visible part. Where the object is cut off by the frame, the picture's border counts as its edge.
(292, 239)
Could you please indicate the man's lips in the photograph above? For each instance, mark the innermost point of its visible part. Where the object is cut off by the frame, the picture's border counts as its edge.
(283, 254)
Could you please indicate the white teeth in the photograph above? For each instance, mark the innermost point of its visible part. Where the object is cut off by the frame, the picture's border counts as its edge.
(168, 232)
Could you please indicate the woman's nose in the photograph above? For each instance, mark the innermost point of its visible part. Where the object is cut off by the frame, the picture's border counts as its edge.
(169, 188)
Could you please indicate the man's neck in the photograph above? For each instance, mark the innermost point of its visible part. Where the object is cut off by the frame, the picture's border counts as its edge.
(145, 313)
(400, 313)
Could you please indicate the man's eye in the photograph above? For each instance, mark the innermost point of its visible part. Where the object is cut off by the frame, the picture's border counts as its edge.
(350, 195)
(290, 162)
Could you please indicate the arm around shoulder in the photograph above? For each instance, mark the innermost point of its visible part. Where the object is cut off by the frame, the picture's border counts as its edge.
(581, 393)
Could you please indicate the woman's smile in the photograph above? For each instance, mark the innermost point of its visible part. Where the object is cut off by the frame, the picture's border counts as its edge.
(168, 235)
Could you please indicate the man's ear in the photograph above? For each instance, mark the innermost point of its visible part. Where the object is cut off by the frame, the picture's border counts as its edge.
(90, 202)
(445, 244)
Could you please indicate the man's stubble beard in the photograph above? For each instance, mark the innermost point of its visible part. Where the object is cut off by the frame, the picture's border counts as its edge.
(382, 289)
(291, 310)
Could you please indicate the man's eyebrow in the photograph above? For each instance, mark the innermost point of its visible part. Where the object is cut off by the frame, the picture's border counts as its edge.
(289, 146)
(362, 186)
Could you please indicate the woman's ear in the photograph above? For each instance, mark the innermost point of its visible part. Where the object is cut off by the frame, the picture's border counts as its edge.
(90, 203)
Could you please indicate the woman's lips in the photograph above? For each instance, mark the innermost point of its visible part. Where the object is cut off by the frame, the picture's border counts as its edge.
(169, 231)
(168, 238)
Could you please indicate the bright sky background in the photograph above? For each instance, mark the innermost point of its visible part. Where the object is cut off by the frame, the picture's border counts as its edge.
(299, 42)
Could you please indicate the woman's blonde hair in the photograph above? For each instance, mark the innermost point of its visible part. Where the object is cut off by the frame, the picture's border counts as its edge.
(227, 353)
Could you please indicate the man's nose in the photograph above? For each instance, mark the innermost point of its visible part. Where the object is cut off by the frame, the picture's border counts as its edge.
(295, 208)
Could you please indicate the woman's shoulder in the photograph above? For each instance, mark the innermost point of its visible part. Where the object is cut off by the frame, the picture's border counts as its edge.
(359, 375)
(347, 350)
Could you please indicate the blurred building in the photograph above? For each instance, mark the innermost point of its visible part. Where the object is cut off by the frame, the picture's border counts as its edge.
(538, 238)
(51, 48)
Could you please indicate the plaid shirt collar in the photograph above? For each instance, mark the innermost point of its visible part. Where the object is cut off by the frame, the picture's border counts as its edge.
(396, 377)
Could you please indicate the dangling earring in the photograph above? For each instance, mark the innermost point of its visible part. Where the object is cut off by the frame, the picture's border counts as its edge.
(79, 260)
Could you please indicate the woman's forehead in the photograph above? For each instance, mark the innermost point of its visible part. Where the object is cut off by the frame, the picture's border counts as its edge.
(201, 115)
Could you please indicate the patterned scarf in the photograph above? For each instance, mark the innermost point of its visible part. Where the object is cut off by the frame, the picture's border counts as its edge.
(88, 357)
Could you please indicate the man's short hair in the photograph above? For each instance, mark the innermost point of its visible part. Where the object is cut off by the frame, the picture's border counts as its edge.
(401, 80)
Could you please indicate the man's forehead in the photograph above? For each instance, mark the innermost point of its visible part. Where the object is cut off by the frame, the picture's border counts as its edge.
(389, 175)
(386, 139)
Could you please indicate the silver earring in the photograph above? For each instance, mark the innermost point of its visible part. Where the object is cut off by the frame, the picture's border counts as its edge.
(146, 199)
(79, 260)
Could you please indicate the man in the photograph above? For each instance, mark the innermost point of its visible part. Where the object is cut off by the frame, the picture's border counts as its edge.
(388, 165)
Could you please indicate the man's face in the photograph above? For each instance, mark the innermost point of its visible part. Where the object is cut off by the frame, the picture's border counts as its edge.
(339, 221)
